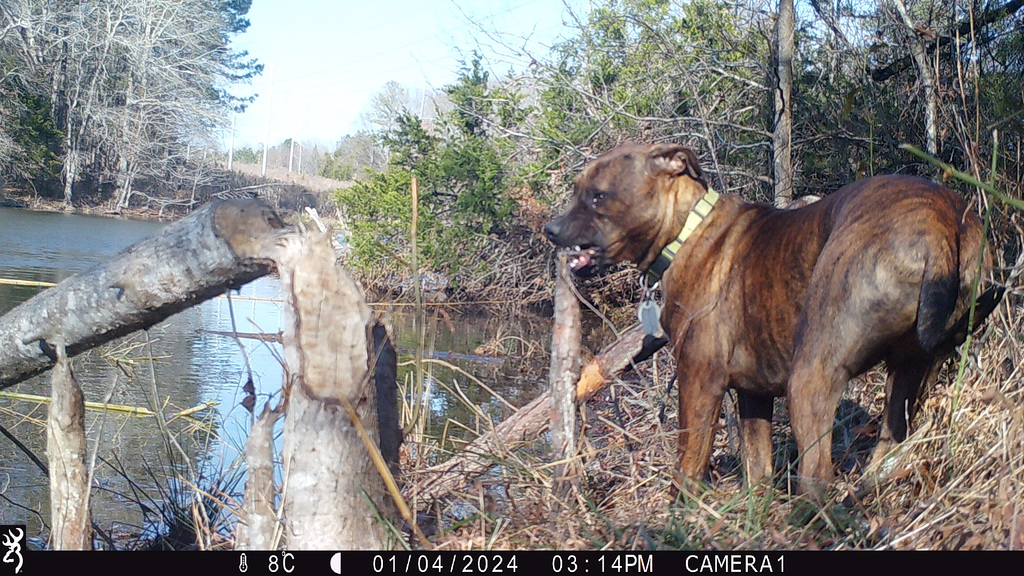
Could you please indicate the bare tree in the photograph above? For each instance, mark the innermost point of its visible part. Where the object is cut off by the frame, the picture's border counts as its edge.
(782, 141)
(165, 52)
(82, 54)
(133, 85)
(927, 76)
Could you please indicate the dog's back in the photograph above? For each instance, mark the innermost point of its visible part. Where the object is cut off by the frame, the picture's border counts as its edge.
(939, 236)
(897, 277)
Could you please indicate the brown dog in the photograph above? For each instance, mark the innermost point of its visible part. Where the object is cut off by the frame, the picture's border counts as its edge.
(784, 302)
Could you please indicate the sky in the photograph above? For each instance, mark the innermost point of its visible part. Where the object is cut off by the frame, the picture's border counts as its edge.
(325, 59)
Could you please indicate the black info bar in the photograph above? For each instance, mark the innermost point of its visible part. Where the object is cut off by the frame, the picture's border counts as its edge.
(508, 563)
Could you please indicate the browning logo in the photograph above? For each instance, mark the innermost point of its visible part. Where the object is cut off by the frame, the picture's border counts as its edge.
(12, 536)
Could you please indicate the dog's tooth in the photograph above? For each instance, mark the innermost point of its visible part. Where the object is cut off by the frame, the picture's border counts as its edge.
(576, 248)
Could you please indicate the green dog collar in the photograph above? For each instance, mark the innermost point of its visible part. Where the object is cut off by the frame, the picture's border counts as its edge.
(697, 215)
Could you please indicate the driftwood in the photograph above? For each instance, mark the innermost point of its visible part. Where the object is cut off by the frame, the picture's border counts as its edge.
(203, 255)
(533, 418)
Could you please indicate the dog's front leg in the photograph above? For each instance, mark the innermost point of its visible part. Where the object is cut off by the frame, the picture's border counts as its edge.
(701, 389)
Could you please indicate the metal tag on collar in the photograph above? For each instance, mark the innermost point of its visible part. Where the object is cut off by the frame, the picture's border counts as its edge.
(649, 312)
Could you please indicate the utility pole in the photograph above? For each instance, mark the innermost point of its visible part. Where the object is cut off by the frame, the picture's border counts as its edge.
(291, 151)
(231, 141)
(266, 131)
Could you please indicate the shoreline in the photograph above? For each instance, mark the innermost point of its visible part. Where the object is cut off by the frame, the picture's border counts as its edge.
(36, 204)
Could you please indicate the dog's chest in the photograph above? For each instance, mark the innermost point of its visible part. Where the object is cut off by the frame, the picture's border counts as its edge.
(716, 317)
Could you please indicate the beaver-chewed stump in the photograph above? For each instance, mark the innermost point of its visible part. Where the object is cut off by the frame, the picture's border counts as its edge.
(333, 493)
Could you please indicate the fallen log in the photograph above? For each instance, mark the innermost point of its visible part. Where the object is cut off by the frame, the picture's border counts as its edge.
(213, 250)
(533, 418)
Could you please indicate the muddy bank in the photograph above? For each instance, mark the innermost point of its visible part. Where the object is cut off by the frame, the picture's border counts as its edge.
(14, 199)
(172, 200)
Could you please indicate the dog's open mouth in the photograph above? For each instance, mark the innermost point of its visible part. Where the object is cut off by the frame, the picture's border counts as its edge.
(582, 259)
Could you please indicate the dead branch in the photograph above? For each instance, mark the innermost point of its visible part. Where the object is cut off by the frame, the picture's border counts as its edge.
(532, 419)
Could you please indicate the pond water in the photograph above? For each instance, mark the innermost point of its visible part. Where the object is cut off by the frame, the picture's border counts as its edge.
(191, 365)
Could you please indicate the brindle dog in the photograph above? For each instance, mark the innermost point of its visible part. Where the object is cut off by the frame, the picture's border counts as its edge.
(776, 302)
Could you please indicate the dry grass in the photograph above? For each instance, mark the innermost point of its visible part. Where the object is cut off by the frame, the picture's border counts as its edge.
(311, 182)
(955, 484)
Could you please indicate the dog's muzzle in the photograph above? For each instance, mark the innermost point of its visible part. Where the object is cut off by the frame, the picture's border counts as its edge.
(553, 230)
(583, 259)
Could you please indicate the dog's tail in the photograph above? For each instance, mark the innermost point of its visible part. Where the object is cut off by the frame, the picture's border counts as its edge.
(948, 280)
(957, 334)
(940, 290)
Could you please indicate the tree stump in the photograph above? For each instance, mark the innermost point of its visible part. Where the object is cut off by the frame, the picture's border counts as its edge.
(333, 493)
(67, 452)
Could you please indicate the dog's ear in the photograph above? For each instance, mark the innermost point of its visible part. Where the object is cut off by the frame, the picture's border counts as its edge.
(675, 160)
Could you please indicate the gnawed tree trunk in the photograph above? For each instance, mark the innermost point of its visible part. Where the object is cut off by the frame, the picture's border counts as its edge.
(533, 418)
(214, 249)
(330, 350)
(565, 370)
(385, 378)
(333, 492)
(67, 454)
(257, 529)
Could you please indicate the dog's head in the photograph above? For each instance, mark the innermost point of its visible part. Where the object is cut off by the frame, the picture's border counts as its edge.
(628, 204)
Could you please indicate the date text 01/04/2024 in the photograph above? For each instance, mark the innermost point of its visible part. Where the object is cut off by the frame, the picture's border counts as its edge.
(512, 563)
(554, 562)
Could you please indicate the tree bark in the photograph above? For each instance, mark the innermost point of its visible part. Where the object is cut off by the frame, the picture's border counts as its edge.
(67, 453)
(927, 75)
(565, 369)
(385, 378)
(70, 170)
(333, 491)
(782, 139)
(214, 249)
(257, 529)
